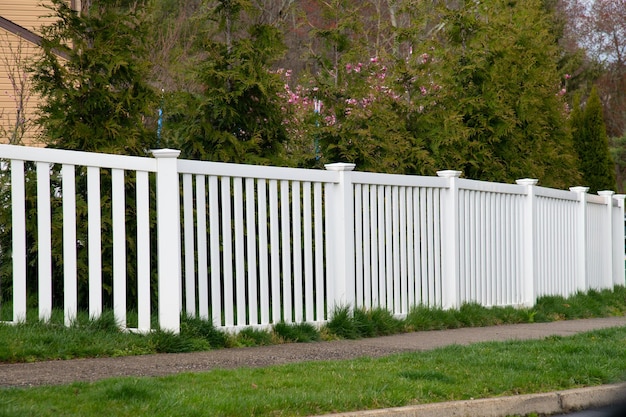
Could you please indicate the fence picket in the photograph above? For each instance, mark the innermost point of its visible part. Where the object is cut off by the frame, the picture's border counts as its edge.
(296, 245)
(70, 285)
(264, 276)
(44, 242)
(18, 214)
(189, 247)
(251, 255)
(119, 245)
(201, 233)
(240, 267)
(227, 253)
(143, 251)
(214, 244)
(320, 287)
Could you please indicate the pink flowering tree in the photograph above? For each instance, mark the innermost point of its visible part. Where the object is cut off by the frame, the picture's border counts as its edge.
(357, 113)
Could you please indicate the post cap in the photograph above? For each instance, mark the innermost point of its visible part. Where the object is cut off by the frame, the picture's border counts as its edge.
(449, 173)
(165, 153)
(579, 189)
(606, 193)
(340, 166)
(527, 181)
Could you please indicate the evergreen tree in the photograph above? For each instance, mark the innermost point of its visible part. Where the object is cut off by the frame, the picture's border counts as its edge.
(592, 144)
(498, 114)
(236, 117)
(93, 78)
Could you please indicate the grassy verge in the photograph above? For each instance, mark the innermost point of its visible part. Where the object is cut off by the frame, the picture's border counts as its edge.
(451, 373)
(35, 341)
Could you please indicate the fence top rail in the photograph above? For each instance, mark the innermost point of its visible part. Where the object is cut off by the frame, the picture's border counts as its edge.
(491, 187)
(371, 178)
(186, 166)
(556, 194)
(90, 159)
(596, 199)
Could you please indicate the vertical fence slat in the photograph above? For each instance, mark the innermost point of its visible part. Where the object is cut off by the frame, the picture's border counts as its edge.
(264, 281)
(285, 232)
(320, 301)
(389, 262)
(70, 285)
(214, 242)
(275, 251)
(382, 266)
(308, 252)
(143, 251)
(227, 254)
(297, 251)
(201, 232)
(376, 300)
(240, 267)
(367, 248)
(619, 272)
(94, 241)
(188, 233)
(403, 278)
(18, 215)
(437, 277)
(119, 245)
(426, 245)
(395, 248)
(44, 240)
(331, 273)
(358, 245)
(251, 253)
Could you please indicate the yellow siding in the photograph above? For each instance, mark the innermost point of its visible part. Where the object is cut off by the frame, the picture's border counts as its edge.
(12, 51)
(30, 14)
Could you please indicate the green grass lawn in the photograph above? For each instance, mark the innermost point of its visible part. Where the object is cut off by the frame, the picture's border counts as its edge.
(35, 341)
(452, 373)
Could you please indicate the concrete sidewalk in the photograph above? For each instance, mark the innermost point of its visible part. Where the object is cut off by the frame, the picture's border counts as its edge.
(86, 370)
(553, 403)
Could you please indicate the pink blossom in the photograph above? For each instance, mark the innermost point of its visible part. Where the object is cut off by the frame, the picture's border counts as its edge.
(349, 68)
(423, 90)
(568, 76)
(374, 60)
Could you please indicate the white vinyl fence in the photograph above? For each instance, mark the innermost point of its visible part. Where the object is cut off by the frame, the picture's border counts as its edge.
(246, 245)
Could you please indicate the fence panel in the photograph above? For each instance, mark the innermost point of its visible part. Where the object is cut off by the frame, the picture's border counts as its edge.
(598, 275)
(556, 250)
(260, 245)
(83, 261)
(491, 246)
(266, 243)
(397, 241)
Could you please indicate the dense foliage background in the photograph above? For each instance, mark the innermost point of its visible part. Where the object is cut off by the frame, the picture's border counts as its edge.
(403, 86)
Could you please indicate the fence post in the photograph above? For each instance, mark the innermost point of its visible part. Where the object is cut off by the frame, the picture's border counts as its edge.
(450, 240)
(529, 238)
(340, 223)
(581, 236)
(607, 279)
(168, 238)
(619, 272)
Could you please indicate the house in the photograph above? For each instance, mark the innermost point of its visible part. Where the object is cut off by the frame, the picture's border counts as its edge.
(20, 23)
